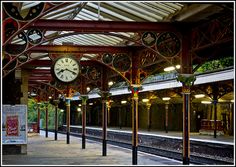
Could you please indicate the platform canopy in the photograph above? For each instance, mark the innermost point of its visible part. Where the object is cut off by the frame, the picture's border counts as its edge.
(112, 37)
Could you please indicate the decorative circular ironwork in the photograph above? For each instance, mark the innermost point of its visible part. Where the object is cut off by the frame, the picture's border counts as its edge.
(55, 3)
(83, 70)
(168, 44)
(11, 64)
(93, 73)
(107, 58)
(34, 36)
(10, 49)
(52, 82)
(122, 62)
(29, 14)
(149, 39)
(10, 26)
(23, 58)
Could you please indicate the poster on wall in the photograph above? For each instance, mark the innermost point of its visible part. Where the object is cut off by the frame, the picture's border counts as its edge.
(14, 124)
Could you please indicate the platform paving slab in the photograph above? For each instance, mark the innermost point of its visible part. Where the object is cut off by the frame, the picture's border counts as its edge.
(47, 151)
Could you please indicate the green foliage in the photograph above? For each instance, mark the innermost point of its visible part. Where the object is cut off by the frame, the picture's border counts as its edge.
(33, 114)
(187, 79)
(216, 64)
(32, 110)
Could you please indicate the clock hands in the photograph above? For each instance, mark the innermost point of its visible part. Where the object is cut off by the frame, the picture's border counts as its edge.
(62, 70)
(66, 69)
(70, 71)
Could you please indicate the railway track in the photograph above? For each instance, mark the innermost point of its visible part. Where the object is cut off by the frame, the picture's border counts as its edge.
(194, 159)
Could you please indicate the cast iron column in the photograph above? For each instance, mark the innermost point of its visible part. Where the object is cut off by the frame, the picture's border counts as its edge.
(135, 87)
(108, 112)
(215, 116)
(187, 79)
(84, 99)
(68, 120)
(56, 118)
(68, 94)
(215, 94)
(149, 116)
(135, 90)
(38, 120)
(167, 109)
(104, 95)
(46, 114)
(186, 124)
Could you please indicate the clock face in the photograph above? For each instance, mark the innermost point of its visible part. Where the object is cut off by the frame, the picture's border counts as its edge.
(66, 69)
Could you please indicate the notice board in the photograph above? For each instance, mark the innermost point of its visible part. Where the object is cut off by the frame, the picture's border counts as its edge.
(14, 124)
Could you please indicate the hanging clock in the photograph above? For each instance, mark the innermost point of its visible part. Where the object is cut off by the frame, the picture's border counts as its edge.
(66, 69)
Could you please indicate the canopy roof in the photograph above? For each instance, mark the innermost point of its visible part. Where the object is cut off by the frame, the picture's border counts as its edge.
(89, 30)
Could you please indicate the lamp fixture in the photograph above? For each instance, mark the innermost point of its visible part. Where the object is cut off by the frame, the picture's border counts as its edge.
(88, 89)
(199, 96)
(177, 66)
(171, 68)
(166, 98)
(206, 102)
(110, 83)
(145, 100)
(123, 102)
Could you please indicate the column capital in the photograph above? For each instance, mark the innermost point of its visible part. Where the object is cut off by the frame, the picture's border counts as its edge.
(108, 103)
(68, 101)
(148, 106)
(186, 89)
(215, 101)
(135, 89)
(104, 94)
(186, 79)
(84, 99)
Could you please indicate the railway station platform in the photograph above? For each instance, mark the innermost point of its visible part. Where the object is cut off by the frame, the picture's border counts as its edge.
(205, 149)
(194, 136)
(47, 151)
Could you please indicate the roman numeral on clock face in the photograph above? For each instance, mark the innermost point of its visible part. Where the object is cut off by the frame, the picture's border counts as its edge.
(66, 69)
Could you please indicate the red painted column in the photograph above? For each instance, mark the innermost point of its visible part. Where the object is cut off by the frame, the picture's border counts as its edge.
(135, 87)
(104, 123)
(56, 119)
(187, 79)
(104, 94)
(215, 93)
(68, 116)
(108, 112)
(84, 99)
(149, 116)
(167, 109)
(38, 120)
(46, 114)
